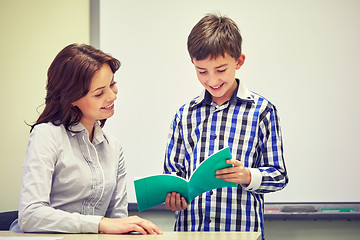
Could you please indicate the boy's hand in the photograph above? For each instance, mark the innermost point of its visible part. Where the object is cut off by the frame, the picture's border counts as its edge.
(236, 174)
(175, 202)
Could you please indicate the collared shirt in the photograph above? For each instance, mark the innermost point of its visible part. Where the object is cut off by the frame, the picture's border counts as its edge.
(70, 183)
(249, 125)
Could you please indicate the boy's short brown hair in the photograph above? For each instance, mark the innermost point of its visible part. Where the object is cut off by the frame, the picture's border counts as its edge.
(214, 35)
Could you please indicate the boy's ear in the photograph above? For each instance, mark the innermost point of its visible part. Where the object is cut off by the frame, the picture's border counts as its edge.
(240, 61)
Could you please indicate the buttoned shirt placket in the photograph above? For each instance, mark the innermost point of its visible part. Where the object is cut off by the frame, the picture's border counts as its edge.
(97, 175)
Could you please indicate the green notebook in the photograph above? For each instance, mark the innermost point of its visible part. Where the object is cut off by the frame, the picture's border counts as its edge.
(151, 191)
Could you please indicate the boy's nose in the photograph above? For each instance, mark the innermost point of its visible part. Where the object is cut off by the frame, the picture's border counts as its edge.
(213, 80)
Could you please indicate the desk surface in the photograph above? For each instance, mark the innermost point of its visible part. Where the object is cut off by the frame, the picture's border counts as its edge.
(166, 235)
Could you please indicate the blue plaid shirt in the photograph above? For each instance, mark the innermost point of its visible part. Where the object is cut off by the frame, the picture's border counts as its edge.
(249, 125)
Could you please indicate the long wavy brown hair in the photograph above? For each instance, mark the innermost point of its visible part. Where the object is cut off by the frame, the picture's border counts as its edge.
(68, 79)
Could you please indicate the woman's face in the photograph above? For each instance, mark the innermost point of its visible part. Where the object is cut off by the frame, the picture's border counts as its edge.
(98, 103)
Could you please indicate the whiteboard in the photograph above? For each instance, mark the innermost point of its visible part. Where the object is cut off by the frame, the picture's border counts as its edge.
(301, 55)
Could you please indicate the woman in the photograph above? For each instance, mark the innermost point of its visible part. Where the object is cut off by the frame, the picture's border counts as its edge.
(73, 175)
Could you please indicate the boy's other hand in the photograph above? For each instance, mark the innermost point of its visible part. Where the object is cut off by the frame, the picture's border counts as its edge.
(236, 174)
(175, 202)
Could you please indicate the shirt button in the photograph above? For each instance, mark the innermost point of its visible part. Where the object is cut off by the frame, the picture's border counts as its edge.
(215, 136)
(211, 192)
(209, 221)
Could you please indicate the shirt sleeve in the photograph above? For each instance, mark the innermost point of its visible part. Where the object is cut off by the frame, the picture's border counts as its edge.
(270, 174)
(35, 212)
(118, 204)
(175, 163)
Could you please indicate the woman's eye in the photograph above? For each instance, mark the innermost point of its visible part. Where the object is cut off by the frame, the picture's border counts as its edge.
(222, 70)
(112, 84)
(98, 95)
(202, 72)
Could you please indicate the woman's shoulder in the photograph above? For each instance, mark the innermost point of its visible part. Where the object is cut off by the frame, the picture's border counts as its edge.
(48, 129)
(47, 137)
(48, 126)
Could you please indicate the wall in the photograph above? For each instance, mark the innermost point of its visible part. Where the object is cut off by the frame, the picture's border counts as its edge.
(32, 33)
(301, 55)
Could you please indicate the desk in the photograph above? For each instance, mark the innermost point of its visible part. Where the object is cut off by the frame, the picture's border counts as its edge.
(166, 235)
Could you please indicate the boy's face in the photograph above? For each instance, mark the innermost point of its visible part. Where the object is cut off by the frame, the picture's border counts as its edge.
(217, 75)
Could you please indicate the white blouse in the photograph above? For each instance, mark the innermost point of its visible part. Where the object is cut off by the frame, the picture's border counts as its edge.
(69, 183)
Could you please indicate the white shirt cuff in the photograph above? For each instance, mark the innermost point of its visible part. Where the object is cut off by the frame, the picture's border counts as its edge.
(255, 182)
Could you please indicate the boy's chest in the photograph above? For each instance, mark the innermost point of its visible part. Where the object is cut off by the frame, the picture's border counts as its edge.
(206, 132)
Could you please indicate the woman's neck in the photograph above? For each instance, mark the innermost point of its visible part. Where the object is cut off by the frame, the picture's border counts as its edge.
(89, 126)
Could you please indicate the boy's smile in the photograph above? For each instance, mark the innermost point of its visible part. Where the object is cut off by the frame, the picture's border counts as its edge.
(217, 75)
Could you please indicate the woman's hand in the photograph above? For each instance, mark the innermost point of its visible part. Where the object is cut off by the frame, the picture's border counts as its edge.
(128, 224)
(175, 202)
(236, 174)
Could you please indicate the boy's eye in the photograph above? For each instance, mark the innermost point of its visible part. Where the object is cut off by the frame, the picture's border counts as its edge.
(202, 72)
(112, 84)
(222, 70)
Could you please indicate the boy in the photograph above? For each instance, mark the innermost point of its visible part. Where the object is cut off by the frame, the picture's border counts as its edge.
(225, 114)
